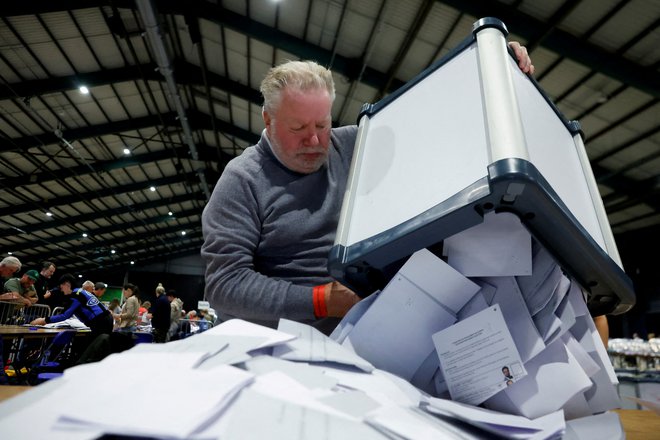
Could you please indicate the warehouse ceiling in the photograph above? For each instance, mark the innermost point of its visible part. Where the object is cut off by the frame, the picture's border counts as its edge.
(117, 117)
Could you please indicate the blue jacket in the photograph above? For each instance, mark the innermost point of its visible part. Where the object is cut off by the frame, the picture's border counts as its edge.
(84, 305)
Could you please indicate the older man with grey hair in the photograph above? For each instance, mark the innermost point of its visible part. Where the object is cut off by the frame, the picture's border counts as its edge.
(9, 266)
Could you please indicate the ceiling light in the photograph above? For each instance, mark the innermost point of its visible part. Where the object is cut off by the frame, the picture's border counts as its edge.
(84, 234)
(113, 251)
(84, 90)
(79, 275)
(127, 151)
(49, 214)
(153, 188)
(183, 232)
(169, 213)
(132, 262)
(9, 253)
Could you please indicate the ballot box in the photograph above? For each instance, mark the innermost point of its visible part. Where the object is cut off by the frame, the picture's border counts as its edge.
(473, 228)
(469, 136)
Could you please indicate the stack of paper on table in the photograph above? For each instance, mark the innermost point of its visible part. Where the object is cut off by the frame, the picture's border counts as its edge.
(498, 325)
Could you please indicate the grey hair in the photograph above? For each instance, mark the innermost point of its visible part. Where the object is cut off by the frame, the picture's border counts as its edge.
(11, 262)
(89, 284)
(298, 75)
(160, 289)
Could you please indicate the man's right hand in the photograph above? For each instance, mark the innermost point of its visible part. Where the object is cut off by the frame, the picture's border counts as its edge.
(339, 299)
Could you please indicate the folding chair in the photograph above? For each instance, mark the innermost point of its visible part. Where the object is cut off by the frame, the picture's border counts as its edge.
(54, 359)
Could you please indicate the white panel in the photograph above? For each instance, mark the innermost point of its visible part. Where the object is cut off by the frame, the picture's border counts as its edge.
(426, 146)
(553, 152)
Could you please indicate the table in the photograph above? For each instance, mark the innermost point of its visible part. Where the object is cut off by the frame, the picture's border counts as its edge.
(639, 424)
(17, 333)
(23, 331)
(9, 391)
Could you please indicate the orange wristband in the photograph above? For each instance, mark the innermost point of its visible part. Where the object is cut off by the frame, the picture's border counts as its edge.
(318, 298)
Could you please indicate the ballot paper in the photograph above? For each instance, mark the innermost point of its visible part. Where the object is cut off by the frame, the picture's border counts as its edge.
(478, 357)
(258, 416)
(538, 287)
(313, 346)
(72, 322)
(220, 386)
(606, 426)
(508, 297)
(500, 246)
(412, 423)
(554, 377)
(505, 425)
(421, 299)
(347, 323)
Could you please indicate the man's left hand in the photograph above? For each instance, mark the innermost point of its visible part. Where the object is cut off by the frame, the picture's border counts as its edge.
(524, 61)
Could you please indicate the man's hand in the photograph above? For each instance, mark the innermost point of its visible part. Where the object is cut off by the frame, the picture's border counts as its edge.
(39, 321)
(524, 61)
(339, 299)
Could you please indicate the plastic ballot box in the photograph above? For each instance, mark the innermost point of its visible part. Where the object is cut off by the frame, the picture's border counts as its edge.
(473, 135)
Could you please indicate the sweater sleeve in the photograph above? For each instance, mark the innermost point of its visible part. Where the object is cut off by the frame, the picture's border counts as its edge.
(232, 230)
(68, 313)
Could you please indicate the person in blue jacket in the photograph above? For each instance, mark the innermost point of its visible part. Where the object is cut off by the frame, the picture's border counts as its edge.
(84, 305)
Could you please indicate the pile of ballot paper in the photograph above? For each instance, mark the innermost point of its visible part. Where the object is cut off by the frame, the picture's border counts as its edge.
(244, 381)
(498, 325)
(498, 343)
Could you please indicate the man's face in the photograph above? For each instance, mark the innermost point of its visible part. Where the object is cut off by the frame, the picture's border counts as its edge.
(7, 271)
(66, 288)
(505, 371)
(26, 281)
(99, 292)
(48, 272)
(299, 129)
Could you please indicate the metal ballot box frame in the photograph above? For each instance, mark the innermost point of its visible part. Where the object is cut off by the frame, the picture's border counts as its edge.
(470, 135)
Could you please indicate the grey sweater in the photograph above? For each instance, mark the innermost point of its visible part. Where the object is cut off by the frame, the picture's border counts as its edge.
(268, 230)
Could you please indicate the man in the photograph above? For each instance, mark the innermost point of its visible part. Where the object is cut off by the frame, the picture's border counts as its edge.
(85, 306)
(88, 286)
(160, 316)
(99, 289)
(272, 218)
(21, 289)
(52, 299)
(9, 266)
(176, 310)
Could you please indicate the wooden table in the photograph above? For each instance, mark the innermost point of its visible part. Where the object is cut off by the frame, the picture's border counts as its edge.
(23, 331)
(9, 391)
(639, 424)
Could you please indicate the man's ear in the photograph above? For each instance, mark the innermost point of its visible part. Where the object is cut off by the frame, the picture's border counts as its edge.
(267, 119)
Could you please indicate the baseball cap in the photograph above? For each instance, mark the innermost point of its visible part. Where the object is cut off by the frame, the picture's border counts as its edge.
(32, 274)
(100, 285)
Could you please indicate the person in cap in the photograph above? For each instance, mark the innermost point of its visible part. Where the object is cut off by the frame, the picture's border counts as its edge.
(21, 290)
(99, 289)
(85, 306)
